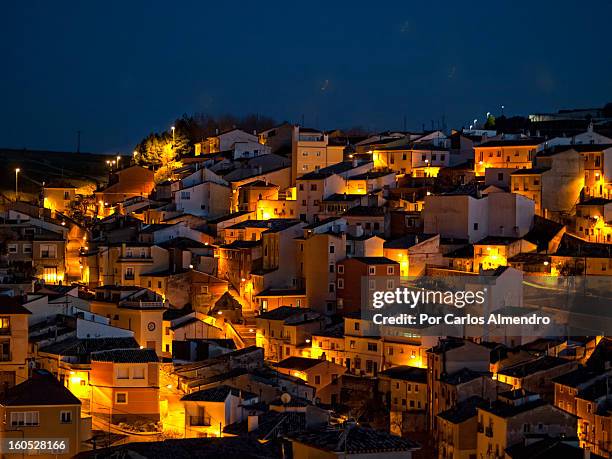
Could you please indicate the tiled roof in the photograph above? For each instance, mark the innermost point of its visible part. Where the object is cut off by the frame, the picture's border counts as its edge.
(533, 366)
(407, 373)
(192, 448)
(354, 440)
(298, 363)
(12, 305)
(41, 389)
(271, 424)
(216, 394)
(375, 260)
(125, 356)
(282, 313)
(82, 348)
(462, 411)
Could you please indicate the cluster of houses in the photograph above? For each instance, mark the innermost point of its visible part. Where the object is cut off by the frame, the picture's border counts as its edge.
(220, 309)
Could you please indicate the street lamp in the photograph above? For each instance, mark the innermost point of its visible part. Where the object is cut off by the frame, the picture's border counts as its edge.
(173, 129)
(118, 158)
(17, 184)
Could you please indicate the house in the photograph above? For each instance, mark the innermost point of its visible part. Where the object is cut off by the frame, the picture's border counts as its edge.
(554, 183)
(404, 391)
(287, 331)
(68, 359)
(311, 150)
(125, 385)
(505, 153)
(223, 141)
(317, 373)
(414, 252)
(206, 199)
(322, 244)
(594, 220)
(57, 195)
(13, 342)
(135, 309)
(514, 416)
(350, 441)
(575, 256)
(208, 411)
(448, 357)
(278, 138)
(352, 288)
(457, 428)
(535, 375)
(125, 183)
(42, 408)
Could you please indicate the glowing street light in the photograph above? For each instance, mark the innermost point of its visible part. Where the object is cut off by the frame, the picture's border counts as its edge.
(118, 159)
(17, 184)
(173, 129)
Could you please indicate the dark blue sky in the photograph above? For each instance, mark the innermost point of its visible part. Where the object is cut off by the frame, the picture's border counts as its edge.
(117, 70)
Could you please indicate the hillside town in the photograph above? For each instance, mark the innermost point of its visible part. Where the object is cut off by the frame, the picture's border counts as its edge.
(210, 302)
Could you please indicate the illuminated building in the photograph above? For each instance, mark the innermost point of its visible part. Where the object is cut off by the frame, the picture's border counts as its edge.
(505, 153)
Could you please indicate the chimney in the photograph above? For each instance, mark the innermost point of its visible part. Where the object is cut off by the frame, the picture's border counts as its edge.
(252, 422)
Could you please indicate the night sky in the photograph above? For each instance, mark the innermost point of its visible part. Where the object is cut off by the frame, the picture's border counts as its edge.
(117, 70)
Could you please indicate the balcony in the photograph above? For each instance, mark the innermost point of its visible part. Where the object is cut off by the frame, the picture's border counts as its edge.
(199, 421)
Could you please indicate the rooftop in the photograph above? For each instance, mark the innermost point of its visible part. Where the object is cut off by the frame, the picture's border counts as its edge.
(299, 363)
(40, 390)
(216, 394)
(354, 440)
(125, 356)
(407, 373)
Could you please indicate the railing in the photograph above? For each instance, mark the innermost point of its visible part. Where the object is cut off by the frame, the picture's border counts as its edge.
(199, 421)
(142, 304)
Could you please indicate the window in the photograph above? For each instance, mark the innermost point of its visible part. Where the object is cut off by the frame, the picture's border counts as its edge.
(123, 373)
(332, 268)
(332, 248)
(139, 373)
(372, 285)
(475, 226)
(121, 398)
(66, 195)
(372, 347)
(301, 187)
(313, 187)
(66, 417)
(317, 380)
(12, 248)
(340, 269)
(500, 177)
(5, 325)
(357, 326)
(27, 248)
(24, 418)
(332, 287)
(390, 284)
(390, 270)
(47, 251)
(185, 195)
(352, 344)
(340, 284)
(371, 270)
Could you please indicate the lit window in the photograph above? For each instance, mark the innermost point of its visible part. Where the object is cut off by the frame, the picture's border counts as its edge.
(121, 398)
